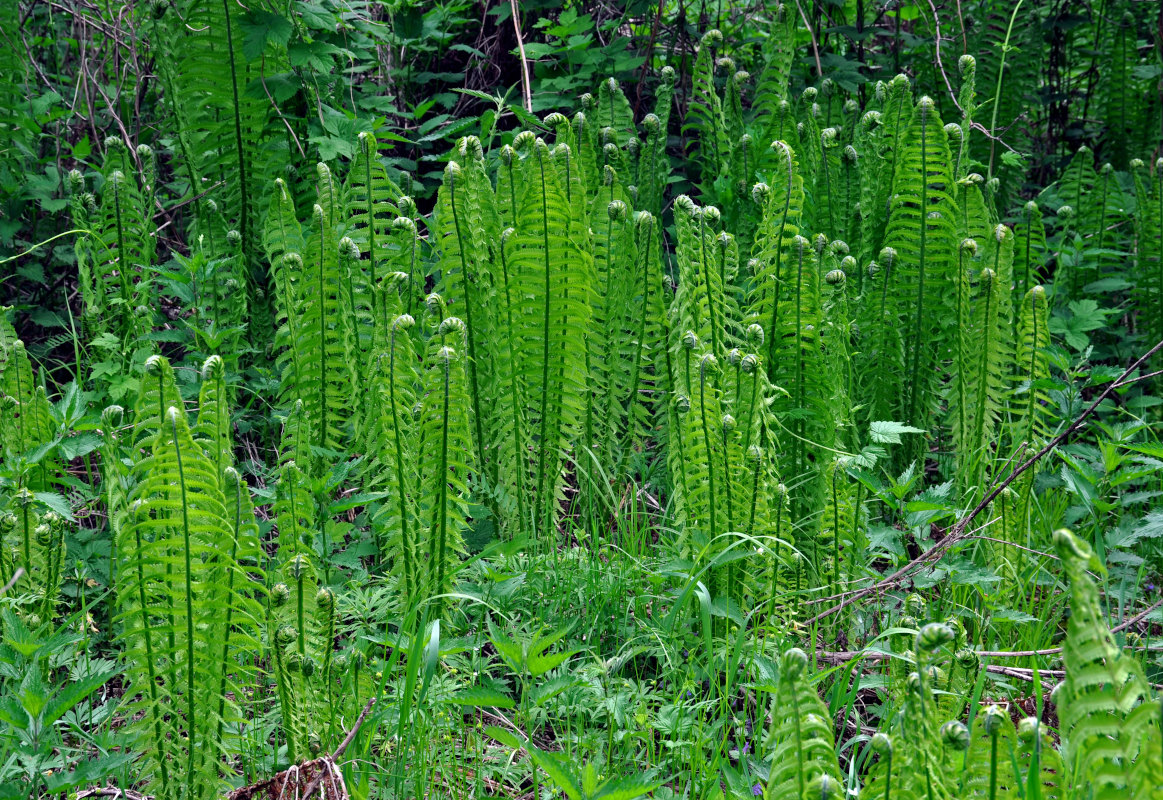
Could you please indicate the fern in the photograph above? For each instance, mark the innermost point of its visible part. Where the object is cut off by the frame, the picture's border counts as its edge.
(227, 154)
(1149, 246)
(185, 603)
(113, 265)
(552, 274)
(391, 447)
(989, 763)
(1031, 404)
(778, 50)
(654, 162)
(323, 373)
(467, 287)
(800, 739)
(921, 232)
(445, 437)
(1104, 691)
(611, 359)
(370, 197)
(25, 416)
(704, 117)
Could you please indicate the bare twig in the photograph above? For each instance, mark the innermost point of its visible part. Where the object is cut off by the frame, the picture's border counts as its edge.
(112, 792)
(12, 581)
(812, 33)
(526, 91)
(347, 740)
(1122, 626)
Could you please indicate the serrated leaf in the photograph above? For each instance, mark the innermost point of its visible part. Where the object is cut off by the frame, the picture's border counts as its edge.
(480, 697)
(886, 432)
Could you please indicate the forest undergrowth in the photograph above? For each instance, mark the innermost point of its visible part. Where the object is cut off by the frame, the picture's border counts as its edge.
(509, 400)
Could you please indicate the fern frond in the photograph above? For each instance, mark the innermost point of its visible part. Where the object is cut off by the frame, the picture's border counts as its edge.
(1102, 687)
(176, 588)
(444, 474)
(391, 448)
(800, 740)
(553, 285)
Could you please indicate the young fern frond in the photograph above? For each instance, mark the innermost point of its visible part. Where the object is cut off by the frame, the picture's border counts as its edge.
(989, 367)
(800, 740)
(213, 429)
(989, 773)
(444, 474)
(323, 370)
(113, 266)
(370, 198)
(553, 285)
(613, 113)
(1149, 248)
(1030, 403)
(649, 376)
(467, 287)
(186, 604)
(25, 414)
(702, 302)
(1104, 692)
(610, 365)
(1029, 251)
(391, 447)
(704, 118)
(921, 231)
(778, 50)
(654, 162)
(795, 348)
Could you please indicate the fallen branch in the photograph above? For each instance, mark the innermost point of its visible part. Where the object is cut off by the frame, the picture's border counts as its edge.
(959, 530)
(286, 783)
(526, 91)
(112, 792)
(347, 740)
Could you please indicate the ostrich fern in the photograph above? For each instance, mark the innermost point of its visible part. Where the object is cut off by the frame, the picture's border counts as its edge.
(186, 605)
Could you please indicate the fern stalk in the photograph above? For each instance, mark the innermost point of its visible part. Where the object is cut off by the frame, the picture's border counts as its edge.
(438, 543)
(155, 710)
(191, 723)
(478, 410)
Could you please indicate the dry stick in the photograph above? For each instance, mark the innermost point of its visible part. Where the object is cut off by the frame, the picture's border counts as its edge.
(937, 50)
(525, 90)
(958, 531)
(12, 582)
(812, 33)
(347, 740)
(875, 587)
(1049, 651)
(112, 792)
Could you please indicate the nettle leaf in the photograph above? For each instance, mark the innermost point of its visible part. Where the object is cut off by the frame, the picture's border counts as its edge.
(1004, 614)
(260, 28)
(57, 503)
(1085, 316)
(885, 432)
(480, 697)
(886, 539)
(1150, 527)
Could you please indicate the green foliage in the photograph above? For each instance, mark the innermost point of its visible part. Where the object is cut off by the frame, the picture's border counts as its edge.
(742, 351)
